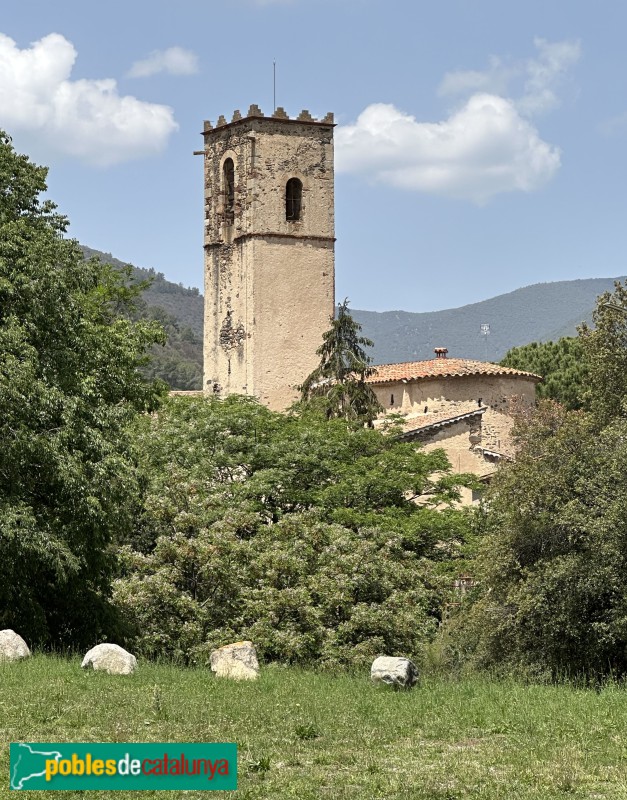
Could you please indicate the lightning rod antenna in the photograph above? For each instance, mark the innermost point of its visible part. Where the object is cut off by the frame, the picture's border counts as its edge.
(273, 86)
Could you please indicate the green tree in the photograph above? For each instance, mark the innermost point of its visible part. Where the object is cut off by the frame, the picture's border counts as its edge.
(560, 364)
(340, 378)
(604, 350)
(551, 596)
(69, 386)
(294, 530)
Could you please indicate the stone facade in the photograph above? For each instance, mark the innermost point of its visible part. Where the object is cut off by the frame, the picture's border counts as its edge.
(465, 449)
(500, 394)
(463, 407)
(269, 252)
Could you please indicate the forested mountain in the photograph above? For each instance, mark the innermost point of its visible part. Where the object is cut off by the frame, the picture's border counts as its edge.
(186, 305)
(538, 313)
(180, 311)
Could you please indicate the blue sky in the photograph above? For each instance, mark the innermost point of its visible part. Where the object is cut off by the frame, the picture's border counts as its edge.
(480, 145)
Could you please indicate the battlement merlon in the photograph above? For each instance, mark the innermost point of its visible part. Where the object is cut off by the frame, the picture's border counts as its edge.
(256, 114)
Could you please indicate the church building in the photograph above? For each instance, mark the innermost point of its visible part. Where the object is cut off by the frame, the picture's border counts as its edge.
(459, 405)
(269, 240)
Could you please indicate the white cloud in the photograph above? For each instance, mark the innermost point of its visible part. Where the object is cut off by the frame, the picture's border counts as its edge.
(545, 73)
(493, 80)
(540, 77)
(86, 119)
(483, 149)
(174, 60)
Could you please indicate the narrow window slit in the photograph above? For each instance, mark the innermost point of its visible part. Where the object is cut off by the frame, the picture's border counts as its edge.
(293, 199)
(228, 186)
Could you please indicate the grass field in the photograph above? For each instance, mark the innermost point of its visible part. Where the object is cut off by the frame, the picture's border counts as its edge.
(306, 735)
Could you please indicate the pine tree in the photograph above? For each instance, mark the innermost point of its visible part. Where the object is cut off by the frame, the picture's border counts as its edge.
(561, 365)
(340, 378)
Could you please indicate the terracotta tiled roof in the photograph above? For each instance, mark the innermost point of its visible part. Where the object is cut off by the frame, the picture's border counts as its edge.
(441, 368)
(422, 422)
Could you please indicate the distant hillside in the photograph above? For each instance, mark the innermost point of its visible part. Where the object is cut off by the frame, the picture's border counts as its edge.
(542, 312)
(537, 313)
(180, 311)
(184, 304)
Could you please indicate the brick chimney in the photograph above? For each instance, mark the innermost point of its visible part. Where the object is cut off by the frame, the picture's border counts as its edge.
(440, 352)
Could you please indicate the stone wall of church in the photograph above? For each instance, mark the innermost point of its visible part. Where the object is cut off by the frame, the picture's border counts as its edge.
(457, 442)
(455, 394)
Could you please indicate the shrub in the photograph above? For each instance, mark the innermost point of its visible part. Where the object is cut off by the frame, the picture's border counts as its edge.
(293, 531)
(303, 590)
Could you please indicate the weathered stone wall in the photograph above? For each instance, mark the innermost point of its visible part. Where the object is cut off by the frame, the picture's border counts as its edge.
(501, 394)
(293, 306)
(495, 391)
(269, 281)
(458, 442)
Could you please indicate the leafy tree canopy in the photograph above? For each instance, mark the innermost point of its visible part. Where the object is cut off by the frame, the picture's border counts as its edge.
(294, 530)
(604, 349)
(69, 385)
(551, 596)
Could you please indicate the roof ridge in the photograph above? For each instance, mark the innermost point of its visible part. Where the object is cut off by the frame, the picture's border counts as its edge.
(442, 367)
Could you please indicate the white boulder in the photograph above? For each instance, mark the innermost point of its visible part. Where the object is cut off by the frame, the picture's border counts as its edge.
(399, 672)
(237, 661)
(111, 658)
(12, 646)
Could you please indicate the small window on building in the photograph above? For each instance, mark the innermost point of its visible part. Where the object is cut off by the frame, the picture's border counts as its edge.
(228, 188)
(391, 399)
(293, 199)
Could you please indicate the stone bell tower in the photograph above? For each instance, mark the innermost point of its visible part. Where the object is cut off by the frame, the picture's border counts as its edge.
(269, 252)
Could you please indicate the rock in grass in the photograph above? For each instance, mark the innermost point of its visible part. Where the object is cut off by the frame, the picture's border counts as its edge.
(237, 661)
(111, 658)
(399, 672)
(12, 646)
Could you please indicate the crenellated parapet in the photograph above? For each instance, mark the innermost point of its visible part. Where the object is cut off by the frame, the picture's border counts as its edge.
(254, 112)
